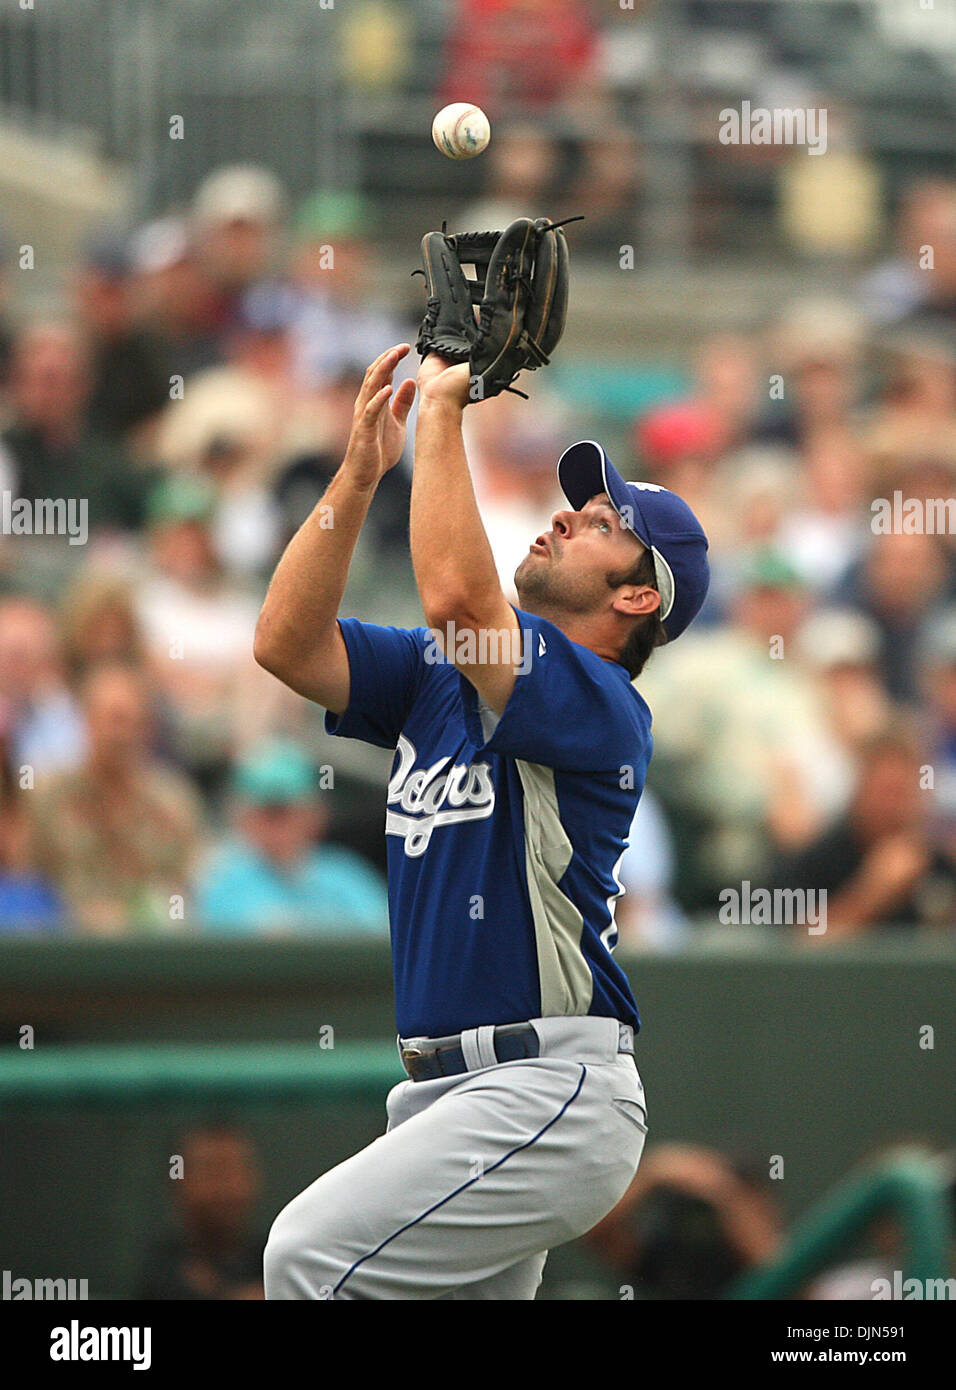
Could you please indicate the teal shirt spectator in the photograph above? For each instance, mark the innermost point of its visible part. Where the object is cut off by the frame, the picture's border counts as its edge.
(329, 891)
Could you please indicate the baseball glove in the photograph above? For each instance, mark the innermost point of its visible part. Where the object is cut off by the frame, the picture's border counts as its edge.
(520, 290)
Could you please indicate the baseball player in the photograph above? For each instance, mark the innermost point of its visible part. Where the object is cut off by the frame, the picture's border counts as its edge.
(521, 747)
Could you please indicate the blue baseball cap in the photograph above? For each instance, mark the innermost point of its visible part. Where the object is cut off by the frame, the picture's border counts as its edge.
(659, 518)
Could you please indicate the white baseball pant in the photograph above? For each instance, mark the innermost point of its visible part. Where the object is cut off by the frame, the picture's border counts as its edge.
(476, 1177)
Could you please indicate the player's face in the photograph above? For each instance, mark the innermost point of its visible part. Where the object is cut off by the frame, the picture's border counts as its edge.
(568, 567)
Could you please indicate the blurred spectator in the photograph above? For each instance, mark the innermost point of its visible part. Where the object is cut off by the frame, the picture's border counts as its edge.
(920, 380)
(99, 622)
(826, 530)
(691, 1222)
(176, 297)
(44, 727)
(830, 208)
(921, 276)
(275, 875)
(606, 181)
(308, 472)
(757, 490)
(338, 322)
(511, 54)
(742, 743)
(726, 372)
(938, 682)
(533, 173)
(237, 216)
(843, 648)
(877, 863)
(523, 160)
(513, 447)
(542, 58)
(915, 416)
(376, 45)
(228, 429)
(213, 1255)
(129, 381)
(717, 417)
(198, 628)
(931, 480)
(223, 342)
(647, 915)
(676, 434)
(28, 901)
(118, 835)
(678, 445)
(6, 331)
(50, 446)
(900, 582)
(816, 352)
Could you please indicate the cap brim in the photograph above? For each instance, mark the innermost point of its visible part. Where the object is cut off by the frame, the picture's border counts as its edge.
(584, 470)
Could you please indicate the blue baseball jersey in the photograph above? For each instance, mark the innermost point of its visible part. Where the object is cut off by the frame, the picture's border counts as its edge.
(504, 833)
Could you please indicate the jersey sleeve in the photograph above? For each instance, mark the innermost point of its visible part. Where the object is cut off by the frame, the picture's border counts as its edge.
(569, 709)
(385, 669)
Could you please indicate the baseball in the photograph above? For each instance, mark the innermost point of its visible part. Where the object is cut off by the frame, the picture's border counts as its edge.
(461, 130)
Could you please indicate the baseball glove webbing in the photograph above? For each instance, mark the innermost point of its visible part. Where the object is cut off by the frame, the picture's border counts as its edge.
(520, 289)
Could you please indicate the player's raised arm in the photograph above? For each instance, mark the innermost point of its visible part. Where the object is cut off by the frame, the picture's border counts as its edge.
(454, 568)
(297, 636)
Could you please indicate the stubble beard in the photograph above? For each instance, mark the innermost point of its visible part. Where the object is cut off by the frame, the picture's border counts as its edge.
(544, 590)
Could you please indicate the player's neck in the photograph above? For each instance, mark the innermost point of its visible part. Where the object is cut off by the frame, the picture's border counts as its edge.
(588, 630)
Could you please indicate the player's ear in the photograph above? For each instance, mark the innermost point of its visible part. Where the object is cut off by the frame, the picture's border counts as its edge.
(636, 600)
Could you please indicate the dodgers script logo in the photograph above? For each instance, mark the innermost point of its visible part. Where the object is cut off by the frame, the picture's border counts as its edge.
(432, 796)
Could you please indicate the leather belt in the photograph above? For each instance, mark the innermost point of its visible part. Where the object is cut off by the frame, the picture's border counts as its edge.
(446, 1057)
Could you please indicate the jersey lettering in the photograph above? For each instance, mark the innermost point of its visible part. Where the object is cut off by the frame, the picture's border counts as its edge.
(466, 788)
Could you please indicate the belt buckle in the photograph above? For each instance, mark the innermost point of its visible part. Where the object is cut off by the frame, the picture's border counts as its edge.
(411, 1052)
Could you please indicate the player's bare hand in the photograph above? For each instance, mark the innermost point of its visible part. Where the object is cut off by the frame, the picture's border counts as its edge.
(441, 380)
(378, 424)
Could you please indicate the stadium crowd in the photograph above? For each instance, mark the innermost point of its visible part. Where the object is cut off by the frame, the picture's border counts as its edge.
(196, 390)
(192, 381)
